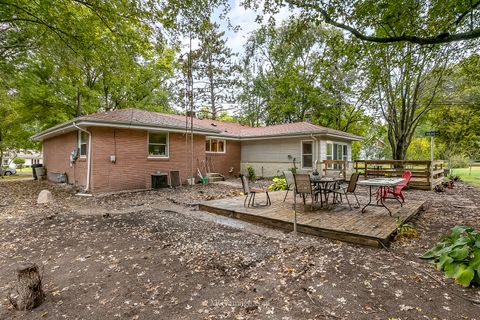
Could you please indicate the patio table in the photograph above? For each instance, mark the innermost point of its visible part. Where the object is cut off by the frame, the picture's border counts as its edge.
(381, 184)
(324, 183)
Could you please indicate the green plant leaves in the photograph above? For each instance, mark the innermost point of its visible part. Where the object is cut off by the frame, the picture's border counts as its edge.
(432, 253)
(444, 259)
(458, 255)
(475, 261)
(458, 230)
(278, 184)
(464, 275)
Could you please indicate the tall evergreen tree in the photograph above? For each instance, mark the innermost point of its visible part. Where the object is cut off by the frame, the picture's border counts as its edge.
(215, 70)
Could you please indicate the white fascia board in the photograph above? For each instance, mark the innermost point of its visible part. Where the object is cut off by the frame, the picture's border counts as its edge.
(300, 135)
(332, 135)
(219, 136)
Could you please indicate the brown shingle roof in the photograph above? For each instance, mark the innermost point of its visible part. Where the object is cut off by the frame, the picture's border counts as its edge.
(213, 127)
(241, 131)
(142, 117)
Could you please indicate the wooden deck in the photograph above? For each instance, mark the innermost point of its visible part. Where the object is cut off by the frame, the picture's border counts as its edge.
(373, 228)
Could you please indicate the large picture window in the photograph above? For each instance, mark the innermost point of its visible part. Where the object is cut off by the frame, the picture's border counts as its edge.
(158, 144)
(215, 146)
(82, 143)
(307, 154)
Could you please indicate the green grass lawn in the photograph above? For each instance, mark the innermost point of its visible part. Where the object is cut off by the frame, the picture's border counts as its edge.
(13, 177)
(25, 170)
(464, 173)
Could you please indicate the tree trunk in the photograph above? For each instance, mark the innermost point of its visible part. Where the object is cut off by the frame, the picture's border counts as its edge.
(212, 88)
(29, 293)
(79, 102)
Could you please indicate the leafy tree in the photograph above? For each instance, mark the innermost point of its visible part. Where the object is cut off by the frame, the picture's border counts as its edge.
(407, 78)
(457, 114)
(89, 56)
(290, 74)
(421, 22)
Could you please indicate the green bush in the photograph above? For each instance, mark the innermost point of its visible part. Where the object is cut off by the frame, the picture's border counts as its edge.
(19, 162)
(278, 184)
(458, 161)
(251, 173)
(458, 255)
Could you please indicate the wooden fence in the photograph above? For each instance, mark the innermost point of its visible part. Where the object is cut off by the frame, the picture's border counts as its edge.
(425, 174)
(334, 167)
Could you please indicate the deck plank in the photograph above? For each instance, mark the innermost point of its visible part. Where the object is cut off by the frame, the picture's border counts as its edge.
(338, 222)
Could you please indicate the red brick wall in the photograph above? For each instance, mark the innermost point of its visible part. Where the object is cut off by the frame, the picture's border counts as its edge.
(222, 162)
(56, 158)
(133, 168)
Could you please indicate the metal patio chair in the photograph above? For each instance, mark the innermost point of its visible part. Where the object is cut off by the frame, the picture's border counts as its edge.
(290, 182)
(352, 185)
(303, 187)
(251, 192)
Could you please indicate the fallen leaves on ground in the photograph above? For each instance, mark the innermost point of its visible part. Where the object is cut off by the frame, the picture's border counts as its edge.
(147, 255)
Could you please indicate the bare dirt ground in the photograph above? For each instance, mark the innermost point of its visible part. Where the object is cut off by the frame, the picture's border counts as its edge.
(152, 255)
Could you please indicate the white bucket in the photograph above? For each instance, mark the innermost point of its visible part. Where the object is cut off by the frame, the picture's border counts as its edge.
(40, 172)
(191, 181)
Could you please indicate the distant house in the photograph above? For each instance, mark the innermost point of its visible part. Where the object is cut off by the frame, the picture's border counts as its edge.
(120, 150)
(30, 156)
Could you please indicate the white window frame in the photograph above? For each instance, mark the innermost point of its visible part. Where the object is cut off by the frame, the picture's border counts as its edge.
(79, 143)
(302, 154)
(210, 143)
(332, 156)
(167, 146)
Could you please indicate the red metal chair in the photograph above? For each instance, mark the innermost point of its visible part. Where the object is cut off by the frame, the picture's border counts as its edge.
(397, 191)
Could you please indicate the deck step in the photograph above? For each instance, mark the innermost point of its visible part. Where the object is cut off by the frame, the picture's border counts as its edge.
(213, 176)
(214, 179)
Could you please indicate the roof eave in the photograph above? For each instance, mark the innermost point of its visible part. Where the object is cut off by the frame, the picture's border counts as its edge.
(85, 121)
(347, 137)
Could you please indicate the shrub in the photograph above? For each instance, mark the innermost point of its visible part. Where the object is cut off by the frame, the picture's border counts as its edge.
(251, 173)
(278, 184)
(458, 161)
(458, 255)
(19, 162)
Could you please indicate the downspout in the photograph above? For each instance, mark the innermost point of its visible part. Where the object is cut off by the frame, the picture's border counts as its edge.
(87, 187)
(317, 146)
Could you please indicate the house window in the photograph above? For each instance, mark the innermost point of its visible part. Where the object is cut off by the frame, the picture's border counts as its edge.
(158, 144)
(307, 154)
(82, 143)
(215, 146)
(336, 151)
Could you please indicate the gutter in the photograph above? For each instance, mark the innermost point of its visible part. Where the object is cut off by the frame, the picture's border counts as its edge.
(87, 187)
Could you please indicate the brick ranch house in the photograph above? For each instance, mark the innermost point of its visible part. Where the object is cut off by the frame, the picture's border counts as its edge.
(121, 149)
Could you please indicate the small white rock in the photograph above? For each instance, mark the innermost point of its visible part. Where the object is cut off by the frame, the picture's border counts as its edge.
(45, 196)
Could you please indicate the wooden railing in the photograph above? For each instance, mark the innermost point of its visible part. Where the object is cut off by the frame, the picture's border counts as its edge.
(334, 167)
(425, 174)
